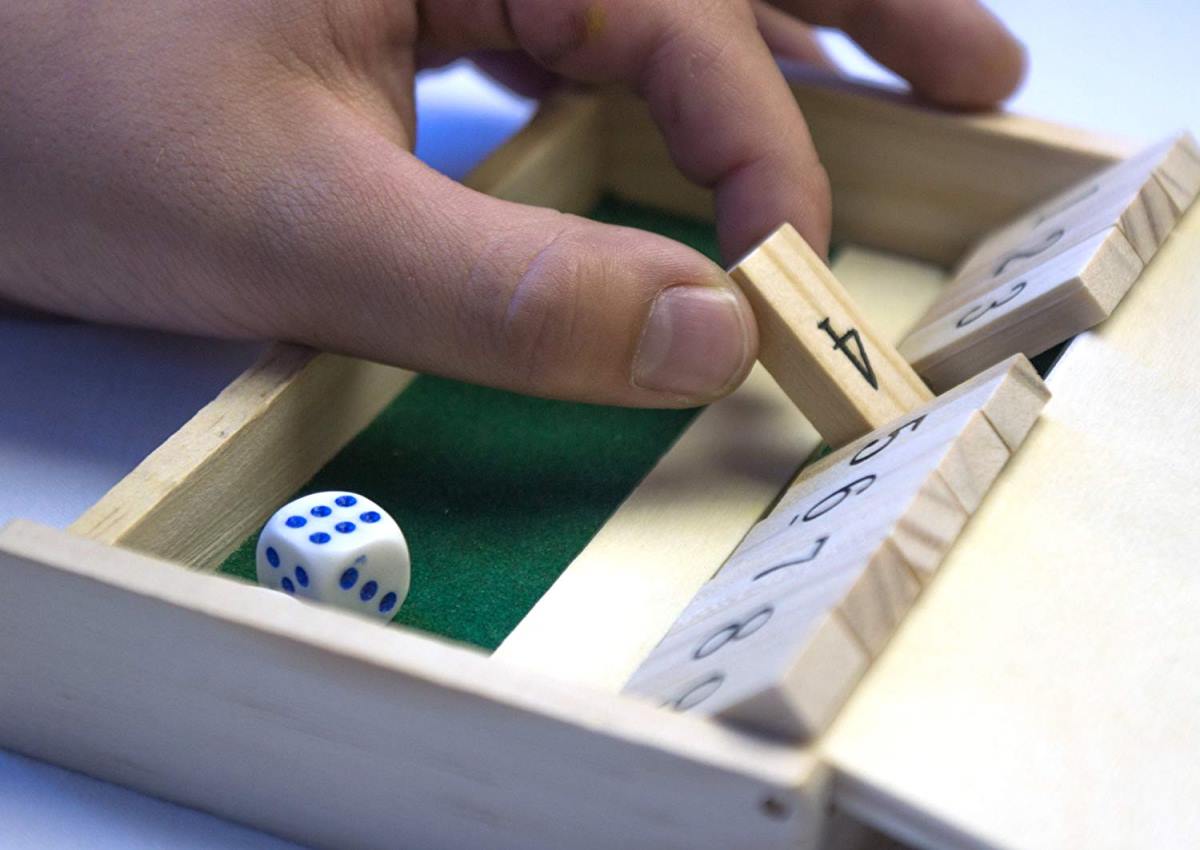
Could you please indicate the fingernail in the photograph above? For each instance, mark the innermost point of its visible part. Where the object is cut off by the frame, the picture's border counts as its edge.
(695, 343)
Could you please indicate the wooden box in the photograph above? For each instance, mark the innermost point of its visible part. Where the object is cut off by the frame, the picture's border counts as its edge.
(1037, 696)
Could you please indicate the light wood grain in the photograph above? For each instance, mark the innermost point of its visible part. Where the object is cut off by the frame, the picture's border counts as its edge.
(218, 478)
(1069, 293)
(894, 291)
(787, 684)
(328, 729)
(906, 178)
(1057, 270)
(760, 644)
(979, 453)
(1179, 172)
(879, 599)
(817, 344)
(1040, 694)
(1127, 195)
(1011, 406)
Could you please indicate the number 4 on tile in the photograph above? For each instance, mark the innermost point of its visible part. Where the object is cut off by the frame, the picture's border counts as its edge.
(861, 362)
(801, 308)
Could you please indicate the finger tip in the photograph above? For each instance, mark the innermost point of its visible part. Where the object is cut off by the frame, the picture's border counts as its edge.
(689, 333)
(697, 344)
(1013, 70)
(983, 87)
(805, 201)
(981, 77)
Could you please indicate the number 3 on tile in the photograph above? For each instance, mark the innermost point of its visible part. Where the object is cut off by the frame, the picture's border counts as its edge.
(861, 362)
(978, 311)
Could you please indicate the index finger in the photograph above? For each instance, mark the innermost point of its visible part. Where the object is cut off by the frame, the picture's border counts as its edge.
(712, 86)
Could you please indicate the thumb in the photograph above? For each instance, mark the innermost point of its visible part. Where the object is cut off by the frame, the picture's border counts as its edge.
(417, 270)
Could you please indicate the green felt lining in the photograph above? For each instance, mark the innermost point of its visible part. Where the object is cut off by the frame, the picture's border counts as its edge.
(497, 493)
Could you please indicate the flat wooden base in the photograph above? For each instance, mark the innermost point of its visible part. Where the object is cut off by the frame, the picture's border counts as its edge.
(1040, 694)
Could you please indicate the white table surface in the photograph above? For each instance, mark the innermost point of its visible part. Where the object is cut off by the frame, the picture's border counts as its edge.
(83, 404)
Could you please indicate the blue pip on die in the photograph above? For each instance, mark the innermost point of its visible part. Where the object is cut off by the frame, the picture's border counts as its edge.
(338, 548)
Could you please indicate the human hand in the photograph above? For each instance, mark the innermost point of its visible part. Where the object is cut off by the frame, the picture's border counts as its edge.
(243, 169)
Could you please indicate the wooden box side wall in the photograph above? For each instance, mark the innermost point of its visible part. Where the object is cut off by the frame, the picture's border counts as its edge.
(335, 731)
(217, 479)
(196, 497)
(906, 178)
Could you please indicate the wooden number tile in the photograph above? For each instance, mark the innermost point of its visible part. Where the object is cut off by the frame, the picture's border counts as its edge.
(915, 509)
(874, 555)
(1010, 395)
(878, 600)
(1142, 209)
(779, 636)
(973, 461)
(780, 661)
(842, 375)
(1065, 295)
(1176, 165)
(1142, 198)
(1108, 247)
(967, 457)
(867, 485)
(788, 551)
(1131, 195)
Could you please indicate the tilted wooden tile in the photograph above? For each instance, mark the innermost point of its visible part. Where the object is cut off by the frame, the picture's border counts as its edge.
(1129, 195)
(1029, 314)
(1058, 270)
(879, 599)
(974, 461)
(1179, 173)
(1010, 396)
(1141, 210)
(777, 639)
(781, 642)
(1011, 406)
(845, 377)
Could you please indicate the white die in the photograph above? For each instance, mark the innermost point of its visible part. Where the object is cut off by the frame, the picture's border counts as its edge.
(337, 548)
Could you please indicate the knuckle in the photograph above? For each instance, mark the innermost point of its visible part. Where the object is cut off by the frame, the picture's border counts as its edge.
(543, 319)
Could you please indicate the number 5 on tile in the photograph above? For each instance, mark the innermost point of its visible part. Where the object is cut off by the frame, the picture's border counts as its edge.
(843, 375)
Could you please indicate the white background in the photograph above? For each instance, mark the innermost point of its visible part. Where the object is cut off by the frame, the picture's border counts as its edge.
(82, 404)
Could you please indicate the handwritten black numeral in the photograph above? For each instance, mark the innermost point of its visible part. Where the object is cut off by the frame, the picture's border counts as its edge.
(817, 546)
(835, 498)
(696, 694)
(876, 446)
(978, 311)
(861, 362)
(1052, 239)
(734, 631)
